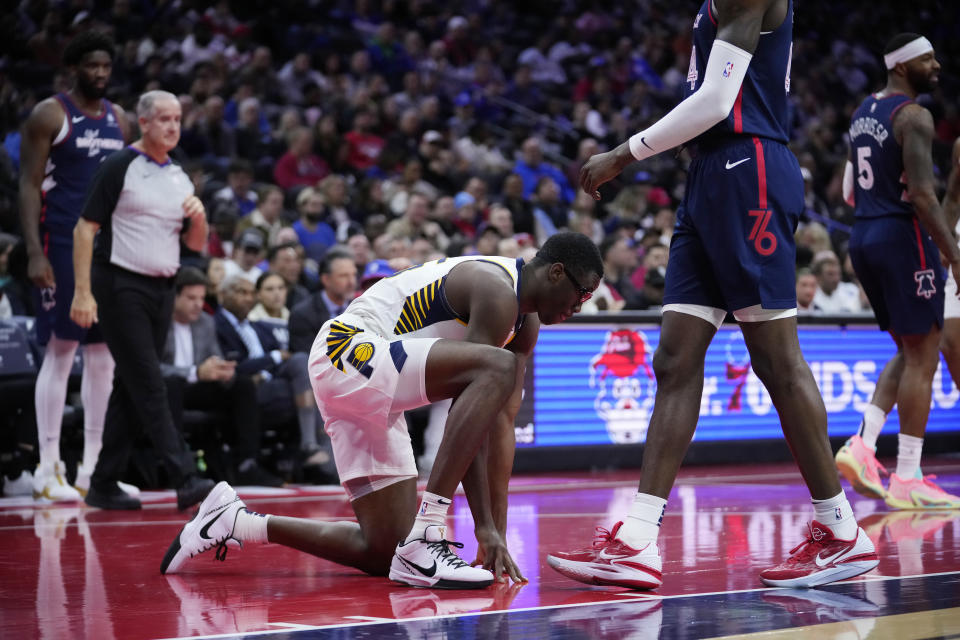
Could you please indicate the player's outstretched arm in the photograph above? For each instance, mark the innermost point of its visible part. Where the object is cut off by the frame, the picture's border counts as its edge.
(738, 31)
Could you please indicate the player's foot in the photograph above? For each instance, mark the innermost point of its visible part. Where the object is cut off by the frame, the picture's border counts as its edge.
(429, 562)
(858, 464)
(111, 496)
(611, 562)
(917, 493)
(22, 485)
(823, 558)
(50, 483)
(82, 483)
(212, 526)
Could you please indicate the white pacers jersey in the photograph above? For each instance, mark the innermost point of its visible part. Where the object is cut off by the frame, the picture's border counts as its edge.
(413, 303)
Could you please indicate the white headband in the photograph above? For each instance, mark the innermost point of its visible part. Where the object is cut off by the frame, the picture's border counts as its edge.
(909, 51)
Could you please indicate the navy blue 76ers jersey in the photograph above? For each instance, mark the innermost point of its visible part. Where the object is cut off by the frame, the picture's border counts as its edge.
(880, 187)
(761, 108)
(76, 153)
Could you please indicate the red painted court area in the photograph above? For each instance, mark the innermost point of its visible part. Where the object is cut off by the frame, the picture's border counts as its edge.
(75, 572)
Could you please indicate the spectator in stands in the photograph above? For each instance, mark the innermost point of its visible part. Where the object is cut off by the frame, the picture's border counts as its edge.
(313, 230)
(296, 76)
(254, 142)
(284, 260)
(619, 262)
(238, 190)
(267, 217)
(833, 295)
(247, 253)
(281, 376)
(338, 275)
(363, 145)
(487, 241)
(375, 271)
(806, 290)
(416, 223)
(532, 167)
(216, 271)
(299, 165)
(359, 245)
(198, 378)
(271, 309)
(210, 137)
(550, 214)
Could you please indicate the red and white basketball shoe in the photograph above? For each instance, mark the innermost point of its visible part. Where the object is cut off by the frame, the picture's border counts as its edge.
(611, 562)
(823, 558)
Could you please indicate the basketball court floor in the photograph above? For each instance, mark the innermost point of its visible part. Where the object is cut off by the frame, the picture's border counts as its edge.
(68, 571)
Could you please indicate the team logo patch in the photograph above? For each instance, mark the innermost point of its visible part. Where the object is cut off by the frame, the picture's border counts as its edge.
(925, 283)
(727, 69)
(838, 514)
(359, 356)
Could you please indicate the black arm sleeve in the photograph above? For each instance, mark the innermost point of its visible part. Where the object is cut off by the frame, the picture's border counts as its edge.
(104, 191)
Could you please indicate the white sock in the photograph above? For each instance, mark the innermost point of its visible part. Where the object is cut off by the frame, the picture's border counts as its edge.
(642, 525)
(433, 511)
(909, 449)
(51, 395)
(250, 526)
(836, 514)
(95, 387)
(873, 419)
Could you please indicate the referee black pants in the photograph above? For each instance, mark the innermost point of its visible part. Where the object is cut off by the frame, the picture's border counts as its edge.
(135, 312)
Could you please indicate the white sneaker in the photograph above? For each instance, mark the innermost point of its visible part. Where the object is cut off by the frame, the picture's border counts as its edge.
(212, 526)
(429, 562)
(50, 483)
(22, 485)
(82, 483)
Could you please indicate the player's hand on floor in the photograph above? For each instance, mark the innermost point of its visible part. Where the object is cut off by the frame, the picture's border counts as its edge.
(492, 555)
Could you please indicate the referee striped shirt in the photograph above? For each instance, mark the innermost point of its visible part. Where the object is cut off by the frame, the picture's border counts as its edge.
(138, 204)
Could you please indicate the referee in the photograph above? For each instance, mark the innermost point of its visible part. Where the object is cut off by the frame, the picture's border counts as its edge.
(143, 205)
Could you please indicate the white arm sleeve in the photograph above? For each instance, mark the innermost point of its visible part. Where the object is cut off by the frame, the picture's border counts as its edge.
(848, 184)
(712, 102)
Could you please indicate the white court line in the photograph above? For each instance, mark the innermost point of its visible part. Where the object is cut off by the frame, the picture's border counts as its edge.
(644, 596)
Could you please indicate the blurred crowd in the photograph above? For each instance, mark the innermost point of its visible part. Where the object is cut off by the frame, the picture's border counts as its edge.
(407, 131)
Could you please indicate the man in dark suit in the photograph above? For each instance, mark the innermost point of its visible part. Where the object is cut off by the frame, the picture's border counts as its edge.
(338, 275)
(197, 377)
(280, 376)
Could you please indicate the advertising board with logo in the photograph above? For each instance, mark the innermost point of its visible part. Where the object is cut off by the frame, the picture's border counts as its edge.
(594, 384)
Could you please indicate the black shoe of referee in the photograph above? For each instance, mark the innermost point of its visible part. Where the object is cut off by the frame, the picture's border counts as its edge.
(193, 490)
(111, 497)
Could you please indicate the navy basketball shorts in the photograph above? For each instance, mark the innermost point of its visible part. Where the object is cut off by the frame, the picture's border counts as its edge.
(53, 303)
(898, 265)
(733, 245)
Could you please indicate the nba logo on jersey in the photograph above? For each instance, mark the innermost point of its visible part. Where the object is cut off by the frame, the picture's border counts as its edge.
(925, 284)
(727, 69)
(837, 513)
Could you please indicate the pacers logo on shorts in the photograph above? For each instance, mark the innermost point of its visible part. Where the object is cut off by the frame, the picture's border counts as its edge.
(359, 356)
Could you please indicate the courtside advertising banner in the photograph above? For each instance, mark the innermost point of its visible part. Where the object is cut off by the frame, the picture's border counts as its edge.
(594, 384)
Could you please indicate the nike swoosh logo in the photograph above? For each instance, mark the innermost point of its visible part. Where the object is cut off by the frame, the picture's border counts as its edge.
(619, 556)
(822, 562)
(77, 119)
(644, 143)
(206, 527)
(731, 165)
(427, 572)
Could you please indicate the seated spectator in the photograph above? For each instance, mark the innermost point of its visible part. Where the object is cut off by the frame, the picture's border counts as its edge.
(271, 309)
(415, 223)
(314, 232)
(338, 212)
(359, 246)
(254, 142)
(267, 217)
(281, 376)
(619, 262)
(246, 254)
(198, 378)
(338, 275)
(238, 191)
(833, 295)
(295, 77)
(651, 295)
(285, 260)
(520, 208)
(363, 146)
(397, 191)
(487, 241)
(806, 290)
(549, 213)
(375, 271)
(532, 167)
(299, 166)
(216, 272)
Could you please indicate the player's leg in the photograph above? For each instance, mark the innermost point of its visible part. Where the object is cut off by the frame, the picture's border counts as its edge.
(908, 489)
(50, 480)
(950, 346)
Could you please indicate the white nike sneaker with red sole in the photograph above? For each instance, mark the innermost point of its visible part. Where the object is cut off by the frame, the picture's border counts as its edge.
(823, 558)
(212, 526)
(429, 562)
(612, 562)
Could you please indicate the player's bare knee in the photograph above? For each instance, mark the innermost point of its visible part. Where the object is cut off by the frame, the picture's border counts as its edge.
(671, 366)
(501, 369)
